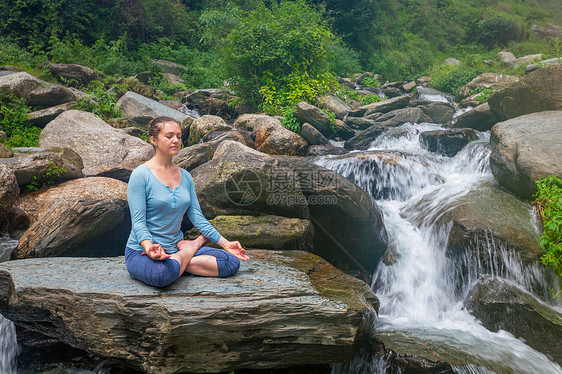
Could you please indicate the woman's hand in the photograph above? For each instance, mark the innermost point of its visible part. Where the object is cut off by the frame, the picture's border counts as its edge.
(156, 252)
(236, 249)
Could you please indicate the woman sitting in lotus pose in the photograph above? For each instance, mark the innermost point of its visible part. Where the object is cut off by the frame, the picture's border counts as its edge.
(159, 194)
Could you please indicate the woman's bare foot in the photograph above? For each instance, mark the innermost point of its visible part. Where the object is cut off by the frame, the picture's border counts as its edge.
(192, 245)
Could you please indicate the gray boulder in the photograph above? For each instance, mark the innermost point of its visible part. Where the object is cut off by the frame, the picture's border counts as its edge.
(205, 125)
(537, 92)
(143, 109)
(312, 136)
(487, 80)
(265, 232)
(488, 212)
(348, 225)
(41, 118)
(359, 123)
(54, 95)
(170, 67)
(480, 118)
(307, 113)
(342, 130)
(547, 31)
(447, 142)
(384, 106)
(36, 165)
(80, 73)
(526, 149)
(271, 137)
(365, 138)
(5, 152)
(334, 104)
(20, 84)
(73, 218)
(507, 58)
(9, 191)
(282, 309)
(440, 113)
(502, 305)
(105, 151)
(327, 149)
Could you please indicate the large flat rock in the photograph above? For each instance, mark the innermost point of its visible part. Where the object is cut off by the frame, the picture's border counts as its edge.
(282, 309)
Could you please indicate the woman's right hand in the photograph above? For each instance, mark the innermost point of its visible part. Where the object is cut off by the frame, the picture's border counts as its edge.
(156, 252)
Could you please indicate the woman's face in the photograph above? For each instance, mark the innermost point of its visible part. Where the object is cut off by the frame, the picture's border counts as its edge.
(169, 139)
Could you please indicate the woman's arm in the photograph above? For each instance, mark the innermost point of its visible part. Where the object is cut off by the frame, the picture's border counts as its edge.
(200, 222)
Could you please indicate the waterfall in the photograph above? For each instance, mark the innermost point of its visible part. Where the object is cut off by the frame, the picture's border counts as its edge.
(8, 347)
(422, 291)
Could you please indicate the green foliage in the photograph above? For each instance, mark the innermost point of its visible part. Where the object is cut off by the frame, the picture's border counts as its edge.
(277, 56)
(497, 31)
(449, 78)
(485, 93)
(102, 102)
(344, 61)
(14, 122)
(371, 82)
(290, 121)
(49, 177)
(369, 99)
(548, 201)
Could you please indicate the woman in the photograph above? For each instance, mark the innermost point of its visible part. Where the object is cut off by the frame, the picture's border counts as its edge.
(159, 194)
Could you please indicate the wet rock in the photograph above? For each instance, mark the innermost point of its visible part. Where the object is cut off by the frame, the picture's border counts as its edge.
(490, 212)
(480, 118)
(447, 142)
(438, 112)
(342, 130)
(431, 94)
(202, 324)
(143, 109)
(307, 113)
(312, 136)
(365, 138)
(344, 216)
(487, 80)
(423, 81)
(501, 305)
(327, 149)
(359, 123)
(334, 104)
(71, 71)
(526, 149)
(536, 92)
(87, 216)
(36, 165)
(205, 125)
(270, 136)
(265, 232)
(105, 151)
(384, 106)
(41, 118)
(20, 84)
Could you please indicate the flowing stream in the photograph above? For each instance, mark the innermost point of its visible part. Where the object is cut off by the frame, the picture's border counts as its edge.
(422, 290)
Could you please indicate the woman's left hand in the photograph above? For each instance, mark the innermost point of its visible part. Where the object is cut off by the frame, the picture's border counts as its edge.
(236, 249)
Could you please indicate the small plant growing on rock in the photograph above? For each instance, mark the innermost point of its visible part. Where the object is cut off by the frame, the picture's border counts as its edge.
(548, 201)
(290, 121)
(102, 104)
(50, 177)
(14, 121)
(485, 93)
(371, 82)
(369, 99)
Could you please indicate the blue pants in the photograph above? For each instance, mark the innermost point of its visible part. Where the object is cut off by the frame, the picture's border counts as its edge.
(162, 273)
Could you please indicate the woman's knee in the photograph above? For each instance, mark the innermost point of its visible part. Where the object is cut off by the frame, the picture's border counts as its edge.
(227, 263)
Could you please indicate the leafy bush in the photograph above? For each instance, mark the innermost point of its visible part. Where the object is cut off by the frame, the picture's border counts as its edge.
(497, 31)
(14, 122)
(278, 55)
(371, 82)
(369, 99)
(548, 201)
(102, 104)
(290, 121)
(486, 93)
(449, 78)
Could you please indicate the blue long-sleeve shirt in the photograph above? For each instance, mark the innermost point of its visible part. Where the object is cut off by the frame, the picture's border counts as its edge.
(157, 210)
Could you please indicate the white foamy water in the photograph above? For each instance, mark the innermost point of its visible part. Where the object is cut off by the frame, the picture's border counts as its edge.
(8, 347)
(422, 292)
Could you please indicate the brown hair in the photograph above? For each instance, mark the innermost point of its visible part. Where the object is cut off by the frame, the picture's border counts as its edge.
(156, 124)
